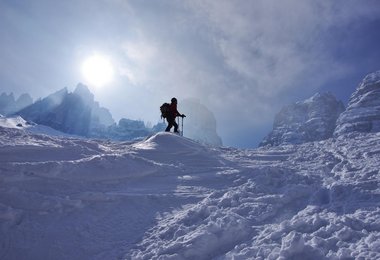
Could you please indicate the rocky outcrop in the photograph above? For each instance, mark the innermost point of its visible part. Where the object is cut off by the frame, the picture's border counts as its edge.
(78, 113)
(63, 111)
(73, 113)
(363, 110)
(311, 120)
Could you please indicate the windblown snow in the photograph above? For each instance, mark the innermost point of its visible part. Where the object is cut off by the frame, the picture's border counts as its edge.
(168, 197)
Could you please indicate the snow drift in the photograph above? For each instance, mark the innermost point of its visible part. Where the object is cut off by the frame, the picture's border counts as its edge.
(168, 197)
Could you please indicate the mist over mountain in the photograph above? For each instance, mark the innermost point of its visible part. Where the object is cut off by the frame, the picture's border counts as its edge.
(78, 113)
(200, 123)
(125, 129)
(9, 105)
(318, 118)
(68, 112)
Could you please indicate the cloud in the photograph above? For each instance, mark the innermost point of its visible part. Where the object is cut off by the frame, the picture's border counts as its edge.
(246, 53)
(269, 44)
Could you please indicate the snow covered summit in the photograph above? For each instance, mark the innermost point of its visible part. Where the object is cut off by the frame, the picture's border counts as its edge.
(363, 110)
(310, 120)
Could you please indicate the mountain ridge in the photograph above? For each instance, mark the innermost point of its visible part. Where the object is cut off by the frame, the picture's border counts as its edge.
(363, 110)
(78, 113)
(322, 116)
(305, 121)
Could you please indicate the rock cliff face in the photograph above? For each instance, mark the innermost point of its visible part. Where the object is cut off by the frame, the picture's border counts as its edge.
(73, 113)
(311, 120)
(62, 111)
(78, 113)
(363, 110)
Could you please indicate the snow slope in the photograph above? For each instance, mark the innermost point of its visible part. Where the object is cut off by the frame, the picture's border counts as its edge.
(18, 122)
(13, 122)
(168, 197)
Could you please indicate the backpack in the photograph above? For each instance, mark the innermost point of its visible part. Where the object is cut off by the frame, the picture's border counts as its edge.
(165, 108)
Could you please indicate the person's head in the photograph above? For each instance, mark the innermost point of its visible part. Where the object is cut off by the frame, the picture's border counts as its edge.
(174, 100)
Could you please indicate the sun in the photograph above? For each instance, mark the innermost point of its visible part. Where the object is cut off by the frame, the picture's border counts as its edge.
(97, 70)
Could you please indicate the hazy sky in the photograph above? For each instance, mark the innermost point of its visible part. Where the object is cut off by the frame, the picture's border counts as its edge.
(243, 59)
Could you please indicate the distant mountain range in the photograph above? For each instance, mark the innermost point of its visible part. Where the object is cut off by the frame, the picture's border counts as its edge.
(78, 113)
(318, 118)
(323, 116)
(9, 105)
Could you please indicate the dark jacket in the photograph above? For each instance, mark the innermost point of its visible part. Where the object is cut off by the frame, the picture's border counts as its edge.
(173, 112)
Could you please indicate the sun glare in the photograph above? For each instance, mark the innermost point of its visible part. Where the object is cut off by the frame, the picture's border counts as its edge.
(97, 70)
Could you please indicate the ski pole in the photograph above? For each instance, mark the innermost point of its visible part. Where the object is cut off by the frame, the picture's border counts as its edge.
(182, 127)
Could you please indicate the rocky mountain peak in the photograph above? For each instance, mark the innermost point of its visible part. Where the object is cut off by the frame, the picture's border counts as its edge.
(310, 120)
(85, 94)
(363, 110)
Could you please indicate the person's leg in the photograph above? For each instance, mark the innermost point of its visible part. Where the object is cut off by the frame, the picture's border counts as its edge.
(175, 126)
(170, 124)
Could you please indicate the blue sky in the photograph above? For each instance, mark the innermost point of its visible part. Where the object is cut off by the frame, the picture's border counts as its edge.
(243, 59)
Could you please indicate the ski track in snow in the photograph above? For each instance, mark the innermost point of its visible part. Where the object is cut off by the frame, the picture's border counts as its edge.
(168, 197)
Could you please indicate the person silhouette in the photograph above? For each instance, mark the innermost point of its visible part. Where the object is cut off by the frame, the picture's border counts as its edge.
(172, 115)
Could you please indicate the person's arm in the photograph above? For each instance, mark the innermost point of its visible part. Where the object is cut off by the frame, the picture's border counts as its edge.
(181, 115)
(178, 113)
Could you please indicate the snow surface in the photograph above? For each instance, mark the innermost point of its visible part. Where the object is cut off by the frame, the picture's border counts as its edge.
(168, 197)
(13, 122)
(20, 123)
